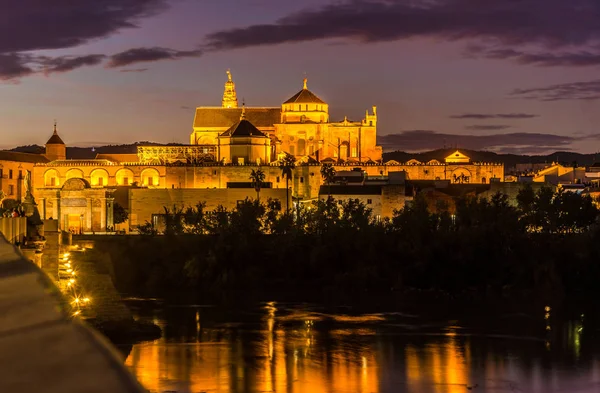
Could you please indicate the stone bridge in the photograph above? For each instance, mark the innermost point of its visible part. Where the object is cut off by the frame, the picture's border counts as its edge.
(42, 348)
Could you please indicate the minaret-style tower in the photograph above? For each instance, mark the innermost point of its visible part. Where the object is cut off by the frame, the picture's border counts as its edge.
(55, 147)
(229, 95)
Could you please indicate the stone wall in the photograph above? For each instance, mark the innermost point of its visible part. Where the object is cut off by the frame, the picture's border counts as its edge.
(143, 203)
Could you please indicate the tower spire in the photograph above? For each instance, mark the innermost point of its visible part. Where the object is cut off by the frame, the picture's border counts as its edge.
(243, 115)
(305, 82)
(229, 94)
(55, 132)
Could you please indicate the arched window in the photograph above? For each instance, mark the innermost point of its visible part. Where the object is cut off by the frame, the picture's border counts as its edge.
(99, 177)
(74, 173)
(301, 147)
(124, 177)
(150, 177)
(483, 179)
(51, 178)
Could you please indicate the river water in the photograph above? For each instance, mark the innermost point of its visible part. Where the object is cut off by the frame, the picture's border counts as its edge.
(304, 348)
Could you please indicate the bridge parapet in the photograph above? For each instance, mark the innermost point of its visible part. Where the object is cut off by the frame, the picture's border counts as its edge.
(42, 349)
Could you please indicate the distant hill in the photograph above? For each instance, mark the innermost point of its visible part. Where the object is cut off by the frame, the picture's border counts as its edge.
(509, 160)
(86, 153)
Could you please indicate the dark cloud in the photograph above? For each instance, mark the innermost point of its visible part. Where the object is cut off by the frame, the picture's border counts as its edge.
(135, 70)
(562, 32)
(17, 65)
(68, 63)
(13, 66)
(419, 140)
(589, 90)
(490, 127)
(486, 116)
(140, 55)
(30, 25)
(562, 59)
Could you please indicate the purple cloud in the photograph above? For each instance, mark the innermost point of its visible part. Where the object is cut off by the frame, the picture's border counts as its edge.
(13, 66)
(581, 58)
(68, 63)
(549, 24)
(587, 91)
(134, 70)
(491, 127)
(486, 116)
(30, 25)
(141, 55)
(421, 140)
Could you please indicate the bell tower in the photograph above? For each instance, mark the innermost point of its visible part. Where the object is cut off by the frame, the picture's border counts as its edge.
(229, 94)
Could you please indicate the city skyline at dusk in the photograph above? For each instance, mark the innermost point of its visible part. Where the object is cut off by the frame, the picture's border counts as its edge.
(509, 77)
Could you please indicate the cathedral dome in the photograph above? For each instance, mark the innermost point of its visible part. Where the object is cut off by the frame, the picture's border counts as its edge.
(305, 96)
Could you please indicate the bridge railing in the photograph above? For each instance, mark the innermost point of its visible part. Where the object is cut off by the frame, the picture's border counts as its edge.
(41, 347)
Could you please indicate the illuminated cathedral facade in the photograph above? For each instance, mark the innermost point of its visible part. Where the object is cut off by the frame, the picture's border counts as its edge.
(301, 126)
(227, 142)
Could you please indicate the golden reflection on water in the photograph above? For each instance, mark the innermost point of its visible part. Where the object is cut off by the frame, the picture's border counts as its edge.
(295, 359)
(296, 353)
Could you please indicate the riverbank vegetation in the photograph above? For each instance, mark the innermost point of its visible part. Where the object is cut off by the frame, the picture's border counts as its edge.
(548, 244)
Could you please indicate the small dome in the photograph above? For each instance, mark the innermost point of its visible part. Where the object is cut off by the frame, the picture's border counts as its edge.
(55, 139)
(305, 96)
(243, 128)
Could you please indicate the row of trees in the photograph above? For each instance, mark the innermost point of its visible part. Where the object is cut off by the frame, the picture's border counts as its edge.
(486, 246)
(543, 212)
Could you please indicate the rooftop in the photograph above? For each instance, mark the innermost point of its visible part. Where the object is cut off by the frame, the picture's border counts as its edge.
(262, 117)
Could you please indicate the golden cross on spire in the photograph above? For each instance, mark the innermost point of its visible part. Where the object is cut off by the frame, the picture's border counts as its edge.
(305, 81)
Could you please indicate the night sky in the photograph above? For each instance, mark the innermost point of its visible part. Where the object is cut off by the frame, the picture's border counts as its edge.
(503, 75)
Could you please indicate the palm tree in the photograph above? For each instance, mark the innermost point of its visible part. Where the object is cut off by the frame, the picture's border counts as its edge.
(328, 174)
(287, 165)
(258, 177)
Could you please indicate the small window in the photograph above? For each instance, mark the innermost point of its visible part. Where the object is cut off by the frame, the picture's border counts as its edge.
(301, 179)
(426, 171)
(215, 172)
(100, 181)
(125, 180)
(369, 201)
(1, 173)
(52, 182)
(371, 123)
(483, 179)
(150, 181)
(10, 174)
(11, 189)
(20, 174)
(277, 179)
(299, 107)
(307, 107)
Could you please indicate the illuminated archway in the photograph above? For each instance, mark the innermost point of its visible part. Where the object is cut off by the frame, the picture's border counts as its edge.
(51, 178)
(150, 177)
(74, 174)
(124, 177)
(99, 177)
